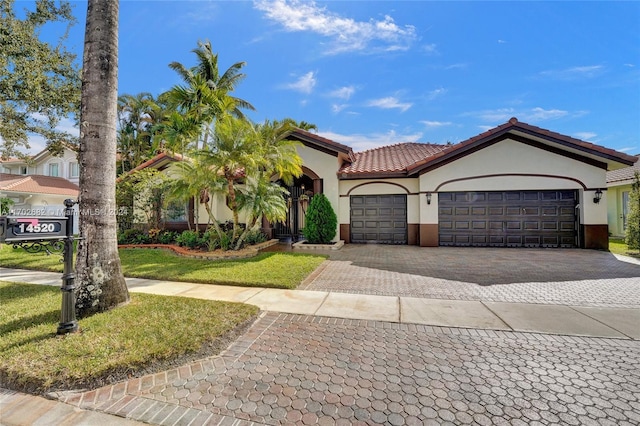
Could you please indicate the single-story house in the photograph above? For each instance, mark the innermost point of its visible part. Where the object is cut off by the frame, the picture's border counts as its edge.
(516, 185)
(618, 189)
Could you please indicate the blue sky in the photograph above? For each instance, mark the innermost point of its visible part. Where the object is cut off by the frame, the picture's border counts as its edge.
(371, 73)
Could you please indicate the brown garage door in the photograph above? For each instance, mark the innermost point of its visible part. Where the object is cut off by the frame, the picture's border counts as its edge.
(379, 219)
(508, 219)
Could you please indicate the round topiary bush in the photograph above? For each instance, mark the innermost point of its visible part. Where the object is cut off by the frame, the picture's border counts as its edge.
(321, 221)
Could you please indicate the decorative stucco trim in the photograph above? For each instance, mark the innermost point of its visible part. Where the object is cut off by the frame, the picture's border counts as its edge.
(584, 187)
(406, 190)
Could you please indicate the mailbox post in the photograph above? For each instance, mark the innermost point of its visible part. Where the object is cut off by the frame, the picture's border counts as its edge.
(68, 322)
(54, 233)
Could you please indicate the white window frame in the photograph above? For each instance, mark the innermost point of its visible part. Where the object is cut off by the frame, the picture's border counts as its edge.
(74, 167)
(49, 169)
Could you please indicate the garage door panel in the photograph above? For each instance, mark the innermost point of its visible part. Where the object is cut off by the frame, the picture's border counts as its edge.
(385, 219)
(509, 218)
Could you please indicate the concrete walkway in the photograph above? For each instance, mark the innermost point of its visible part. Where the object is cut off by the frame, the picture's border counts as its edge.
(621, 323)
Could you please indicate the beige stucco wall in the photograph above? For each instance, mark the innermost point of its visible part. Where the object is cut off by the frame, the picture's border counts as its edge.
(379, 187)
(511, 157)
(614, 208)
(326, 167)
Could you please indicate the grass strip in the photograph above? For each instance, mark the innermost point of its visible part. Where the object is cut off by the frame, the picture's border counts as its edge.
(271, 270)
(148, 334)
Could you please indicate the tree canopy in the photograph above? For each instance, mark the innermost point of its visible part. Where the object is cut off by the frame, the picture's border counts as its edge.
(39, 83)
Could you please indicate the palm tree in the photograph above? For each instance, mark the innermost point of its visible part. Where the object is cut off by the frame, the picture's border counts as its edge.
(260, 197)
(135, 122)
(204, 94)
(195, 179)
(101, 283)
(242, 150)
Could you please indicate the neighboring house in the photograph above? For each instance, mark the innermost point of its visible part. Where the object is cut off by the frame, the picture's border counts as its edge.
(38, 187)
(618, 189)
(38, 195)
(515, 185)
(45, 164)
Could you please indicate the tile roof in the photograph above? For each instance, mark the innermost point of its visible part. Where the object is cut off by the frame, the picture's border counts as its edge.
(625, 174)
(38, 184)
(158, 159)
(391, 159)
(514, 125)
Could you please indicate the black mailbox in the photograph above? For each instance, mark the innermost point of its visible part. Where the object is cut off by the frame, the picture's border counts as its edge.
(26, 228)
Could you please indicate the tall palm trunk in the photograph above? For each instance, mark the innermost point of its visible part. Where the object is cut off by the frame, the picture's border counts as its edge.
(102, 285)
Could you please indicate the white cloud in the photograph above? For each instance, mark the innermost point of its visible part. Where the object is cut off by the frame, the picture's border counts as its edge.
(436, 93)
(359, 142)
(501, 41)
(540, 114)
(436, 124)
(586, 136)
(343, 93)
(431, 49)
(502, 115)
(628, 149)
(573, 73)
(456, 66)
(336, 108)
(304, 84)
(346, 34)
(389, 102)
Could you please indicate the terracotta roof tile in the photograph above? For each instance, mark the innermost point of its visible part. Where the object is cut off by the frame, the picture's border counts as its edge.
(38, 184)
(390, 159)
(625, 174)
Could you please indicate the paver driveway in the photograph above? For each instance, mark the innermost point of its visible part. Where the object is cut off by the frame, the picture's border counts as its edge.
(551, 276)
(290, 369)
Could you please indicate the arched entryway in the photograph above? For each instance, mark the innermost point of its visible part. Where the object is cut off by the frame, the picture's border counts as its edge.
(300, 194)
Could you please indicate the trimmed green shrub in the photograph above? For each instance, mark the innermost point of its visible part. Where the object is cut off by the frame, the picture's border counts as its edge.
(190, 239)
(321, 221)
(255, 237)
(133, 236)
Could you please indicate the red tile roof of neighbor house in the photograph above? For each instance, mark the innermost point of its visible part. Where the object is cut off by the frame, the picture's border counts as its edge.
(625, 174)
(37, 184)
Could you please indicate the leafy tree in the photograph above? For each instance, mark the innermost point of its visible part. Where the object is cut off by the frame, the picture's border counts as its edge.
(321, 221)
(39, 83)
(141, 197)
(101, 283)
(5, 205)
(632, 234)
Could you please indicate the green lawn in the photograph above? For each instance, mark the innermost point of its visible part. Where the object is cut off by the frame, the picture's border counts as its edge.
(147, 334)
(618, 246)
(273, 270)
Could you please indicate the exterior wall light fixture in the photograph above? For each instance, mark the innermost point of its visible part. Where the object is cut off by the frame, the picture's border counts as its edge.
(428, 198)
(598, 196)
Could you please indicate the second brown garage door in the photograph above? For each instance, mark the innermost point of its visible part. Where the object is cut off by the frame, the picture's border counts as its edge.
(508, 218)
